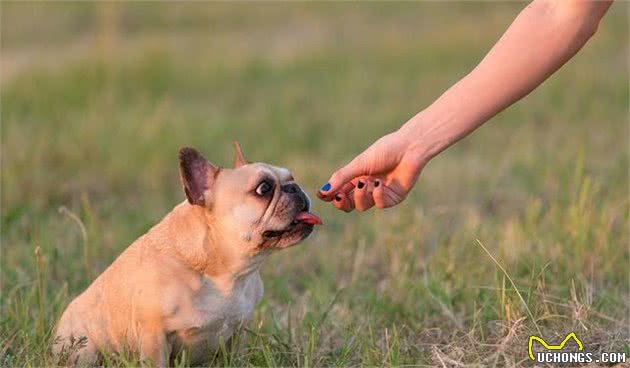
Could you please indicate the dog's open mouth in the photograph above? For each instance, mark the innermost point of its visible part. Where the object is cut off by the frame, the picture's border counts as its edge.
(302, 218)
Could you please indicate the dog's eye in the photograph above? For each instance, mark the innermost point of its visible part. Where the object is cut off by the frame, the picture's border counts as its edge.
(263, 188)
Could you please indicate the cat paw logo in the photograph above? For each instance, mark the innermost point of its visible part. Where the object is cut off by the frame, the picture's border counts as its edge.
(553, 347)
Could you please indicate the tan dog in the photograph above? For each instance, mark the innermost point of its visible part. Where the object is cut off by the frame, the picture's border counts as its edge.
(190, 281)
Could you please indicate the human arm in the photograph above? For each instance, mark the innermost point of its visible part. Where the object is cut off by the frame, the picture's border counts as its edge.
(542, 38)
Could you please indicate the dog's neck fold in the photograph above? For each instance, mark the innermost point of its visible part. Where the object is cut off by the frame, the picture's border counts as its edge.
(194, 241)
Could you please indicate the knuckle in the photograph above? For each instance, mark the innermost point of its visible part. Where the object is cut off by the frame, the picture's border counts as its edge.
(334, 178)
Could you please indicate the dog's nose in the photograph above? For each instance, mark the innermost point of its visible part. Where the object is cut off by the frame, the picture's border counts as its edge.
(290, 188)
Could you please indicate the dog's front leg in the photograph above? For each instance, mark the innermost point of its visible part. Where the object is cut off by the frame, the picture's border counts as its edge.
(153, 347)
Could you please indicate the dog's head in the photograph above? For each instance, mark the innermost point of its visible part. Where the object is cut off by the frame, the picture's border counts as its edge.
(260, 204)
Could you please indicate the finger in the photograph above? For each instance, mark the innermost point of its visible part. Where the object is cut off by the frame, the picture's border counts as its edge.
(346, 188)
(342, 176)
(343, 202)
(380, 199)
(384, 196)
(363, 200)
(323, 197)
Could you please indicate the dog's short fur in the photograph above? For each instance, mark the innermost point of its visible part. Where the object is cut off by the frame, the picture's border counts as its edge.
(192, 279)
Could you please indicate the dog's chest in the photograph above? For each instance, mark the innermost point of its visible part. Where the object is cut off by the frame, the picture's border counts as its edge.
(207, 316)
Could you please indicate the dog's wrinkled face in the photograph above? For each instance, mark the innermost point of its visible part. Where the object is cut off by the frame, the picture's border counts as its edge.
(265, 204)
(255, 204)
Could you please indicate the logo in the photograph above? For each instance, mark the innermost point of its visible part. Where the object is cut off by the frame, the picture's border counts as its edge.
(554, 353)
(552, 347)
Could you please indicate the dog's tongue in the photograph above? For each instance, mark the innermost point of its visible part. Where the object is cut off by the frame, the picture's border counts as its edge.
(308, 218)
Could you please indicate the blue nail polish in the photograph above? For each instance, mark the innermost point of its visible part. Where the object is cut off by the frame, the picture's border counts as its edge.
(325, 187)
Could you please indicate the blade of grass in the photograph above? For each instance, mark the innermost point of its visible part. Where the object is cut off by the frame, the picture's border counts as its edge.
(529, 312)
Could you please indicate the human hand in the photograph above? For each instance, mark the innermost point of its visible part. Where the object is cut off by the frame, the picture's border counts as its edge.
(381, 176)
(543, 37)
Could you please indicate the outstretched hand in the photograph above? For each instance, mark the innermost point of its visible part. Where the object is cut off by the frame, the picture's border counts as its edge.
(543, 37)
(381, 176)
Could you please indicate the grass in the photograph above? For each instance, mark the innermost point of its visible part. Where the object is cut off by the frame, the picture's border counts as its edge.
(96, 99)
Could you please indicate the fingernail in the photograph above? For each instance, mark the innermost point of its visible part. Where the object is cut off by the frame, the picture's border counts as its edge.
(376, 183)
(325, 187)
(337, 198)
(360, 184)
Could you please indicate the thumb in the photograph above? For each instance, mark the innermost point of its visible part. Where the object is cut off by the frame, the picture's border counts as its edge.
(342, 176)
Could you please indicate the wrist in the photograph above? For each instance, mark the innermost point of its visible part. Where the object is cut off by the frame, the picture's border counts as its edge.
(423, 137)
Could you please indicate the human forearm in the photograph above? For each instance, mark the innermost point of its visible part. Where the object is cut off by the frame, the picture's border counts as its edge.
(541, 39)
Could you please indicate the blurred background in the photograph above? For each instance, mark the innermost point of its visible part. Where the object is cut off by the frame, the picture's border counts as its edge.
(97, 98)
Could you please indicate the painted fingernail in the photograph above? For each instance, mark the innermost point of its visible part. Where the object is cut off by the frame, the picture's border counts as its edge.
(376, 183)
(325, 187)
(360, 184)
(337, 198)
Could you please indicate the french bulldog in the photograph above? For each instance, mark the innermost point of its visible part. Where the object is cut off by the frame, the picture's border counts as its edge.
(192, 279)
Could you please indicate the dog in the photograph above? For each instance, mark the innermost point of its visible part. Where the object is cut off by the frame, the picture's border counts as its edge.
(193, 279)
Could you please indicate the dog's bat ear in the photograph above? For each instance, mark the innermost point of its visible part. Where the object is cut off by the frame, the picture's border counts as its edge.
(239, 159)
(197, 175)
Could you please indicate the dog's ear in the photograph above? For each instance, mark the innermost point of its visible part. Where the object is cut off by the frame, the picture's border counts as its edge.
(197, 175)
(239, 159)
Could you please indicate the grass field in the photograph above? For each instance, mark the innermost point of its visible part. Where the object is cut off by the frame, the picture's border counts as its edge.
(96, 99)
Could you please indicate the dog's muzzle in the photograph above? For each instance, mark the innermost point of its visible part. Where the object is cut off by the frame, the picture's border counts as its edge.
(303, 203)
(302, 216)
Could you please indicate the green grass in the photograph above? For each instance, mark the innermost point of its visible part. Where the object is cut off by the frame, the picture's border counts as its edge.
(96, 99)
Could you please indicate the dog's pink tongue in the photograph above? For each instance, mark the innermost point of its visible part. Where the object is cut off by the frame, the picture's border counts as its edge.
(308, 218)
